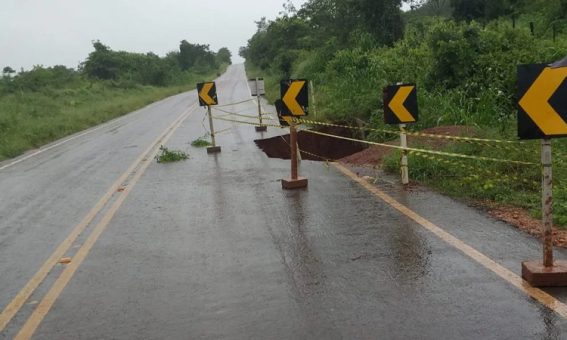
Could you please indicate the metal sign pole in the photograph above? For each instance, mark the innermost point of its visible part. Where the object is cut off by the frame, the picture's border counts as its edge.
(404, 160)
(262, 127)
(537, 119)
(214, 148)
(547, 202)
(258, 99)
(211, 126)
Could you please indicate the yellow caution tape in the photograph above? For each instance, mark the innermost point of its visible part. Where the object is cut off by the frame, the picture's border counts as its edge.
(448, 154)
(420, 134)
(228, 113)
(247, 123)
(237, 103)
(222, 131)
(495, 176)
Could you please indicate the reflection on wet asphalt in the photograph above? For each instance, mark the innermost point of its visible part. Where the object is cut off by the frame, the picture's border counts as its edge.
(213, 248)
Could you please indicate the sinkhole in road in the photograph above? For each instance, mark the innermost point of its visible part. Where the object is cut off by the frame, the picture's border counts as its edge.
(313, 147)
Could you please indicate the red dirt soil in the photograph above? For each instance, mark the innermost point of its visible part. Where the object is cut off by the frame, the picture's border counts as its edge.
(375, 154)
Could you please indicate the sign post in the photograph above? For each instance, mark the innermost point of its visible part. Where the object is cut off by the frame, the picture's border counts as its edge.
(293, 152)
(400, 107)
(294, 103)
(208, 97)
(214, 148)
(539, 117)
(547, 202)
(257, 89)
(404, 160)
(261, 127)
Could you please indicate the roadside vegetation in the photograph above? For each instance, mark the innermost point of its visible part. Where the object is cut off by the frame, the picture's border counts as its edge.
(46, 103)
(166, 155)
(202, 142)
(463, 56)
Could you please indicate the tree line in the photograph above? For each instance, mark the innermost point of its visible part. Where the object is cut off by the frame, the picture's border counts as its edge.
(466, 50)
(123, 68)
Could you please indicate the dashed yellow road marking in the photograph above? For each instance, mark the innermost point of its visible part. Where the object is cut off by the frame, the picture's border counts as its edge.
(515, 280)
(23, 295)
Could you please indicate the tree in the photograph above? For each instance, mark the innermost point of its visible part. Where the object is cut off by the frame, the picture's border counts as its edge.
(261, 25)
(147, 69)
(283, 35)
(382, 19)
(8, 70)
(195, 54)
(224, 56)
(288, 9)
(330, 19)
(336, 19)
(243, 51)
(102, 63)
(482, 9)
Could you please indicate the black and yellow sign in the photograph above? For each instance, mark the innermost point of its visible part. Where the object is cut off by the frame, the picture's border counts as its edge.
(284, 120)
(207, 94)
(400, 104)
(542, 108)
(295, 97)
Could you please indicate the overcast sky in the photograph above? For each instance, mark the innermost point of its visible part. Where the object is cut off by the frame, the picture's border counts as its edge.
(59, 32)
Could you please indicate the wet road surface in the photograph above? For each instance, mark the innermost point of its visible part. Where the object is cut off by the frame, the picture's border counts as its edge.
(213, 248)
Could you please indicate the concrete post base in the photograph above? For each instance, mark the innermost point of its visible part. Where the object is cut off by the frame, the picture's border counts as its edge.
(539, 276)
(290, 184)
(261, 128)
(213, 149)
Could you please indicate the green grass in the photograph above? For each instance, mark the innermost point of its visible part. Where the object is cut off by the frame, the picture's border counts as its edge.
(29, 120)
(169, 156)
(201, 142)
(480, 181)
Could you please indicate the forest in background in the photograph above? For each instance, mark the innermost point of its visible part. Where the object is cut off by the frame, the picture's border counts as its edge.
(462, 54)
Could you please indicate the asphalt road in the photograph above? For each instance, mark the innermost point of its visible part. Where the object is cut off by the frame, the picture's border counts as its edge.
(213, 248)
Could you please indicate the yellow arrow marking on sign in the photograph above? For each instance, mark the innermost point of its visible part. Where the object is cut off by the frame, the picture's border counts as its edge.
(204, 94)
(290, 98)
(536, 101)
(397, 104)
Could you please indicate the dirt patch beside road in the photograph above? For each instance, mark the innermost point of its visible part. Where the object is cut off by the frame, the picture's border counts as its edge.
(374, 155)
(523, 220)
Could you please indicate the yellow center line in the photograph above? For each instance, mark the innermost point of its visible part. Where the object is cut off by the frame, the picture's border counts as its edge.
(23, 295)
(49, 299)
(515, 280)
